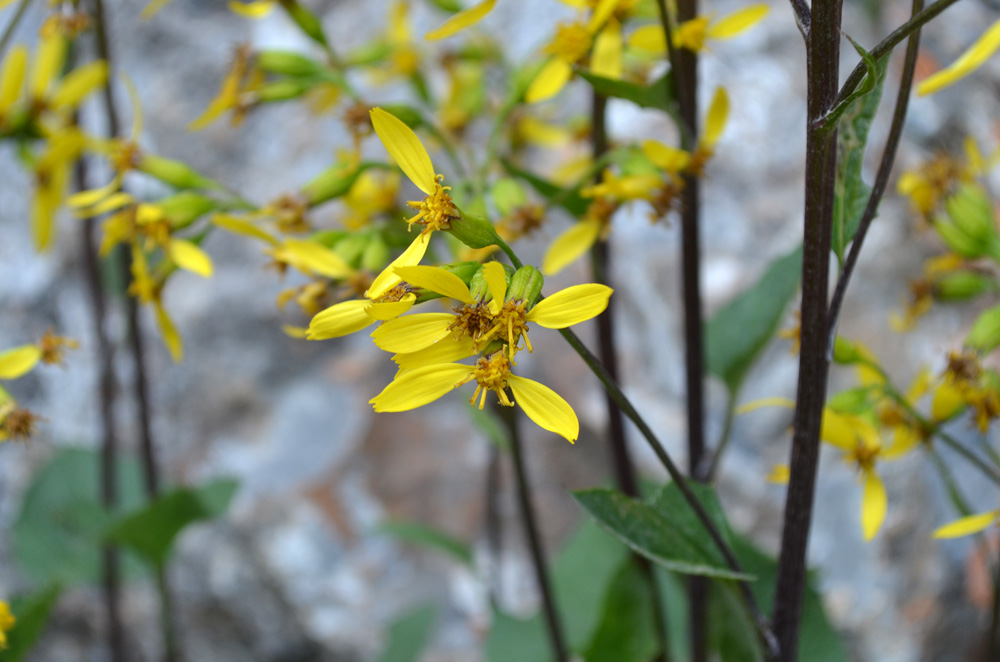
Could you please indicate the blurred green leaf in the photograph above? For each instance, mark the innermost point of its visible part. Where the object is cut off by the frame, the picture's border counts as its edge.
(627, 627)
(32, 613)
(984, 335)
(427, 536)
(672, 505)
(152, 529)
(58, 533)
(656, 535)
(409, 634)
(450, 6)
(740, 330)
(570, 200)
(516, 639)
(656, 95)
(731, 632)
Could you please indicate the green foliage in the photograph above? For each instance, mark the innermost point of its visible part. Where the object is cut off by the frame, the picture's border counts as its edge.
(32, 614)
(409, 634)
(427, 536)
(740, 330)
(626, 631)
(568, 199)
(984, 335)
(657, 95)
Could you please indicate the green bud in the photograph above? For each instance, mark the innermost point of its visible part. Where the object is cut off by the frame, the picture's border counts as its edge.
(525, 285)
(474, 232)
(288, 63)
(962, 285)
(175, 173)
(845, 352)
(332, 183)
(376, 254)
(852, 401)
(478, 287)
(185, 208)
(308, 21)
(985, 333)
(368, 55)
(283, 90)
(464, 270)
(351, 248)
(957, 240)
(970, 209)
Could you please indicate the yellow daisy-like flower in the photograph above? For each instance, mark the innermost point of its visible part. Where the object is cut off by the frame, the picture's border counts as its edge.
(415, 388)
(436, 210)
(7, 622)
(693, 34)
(970, 60)
(965, 526)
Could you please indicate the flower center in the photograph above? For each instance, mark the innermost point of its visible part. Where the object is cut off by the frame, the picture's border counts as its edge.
(436, 210)
(491, 373)
(571, 43)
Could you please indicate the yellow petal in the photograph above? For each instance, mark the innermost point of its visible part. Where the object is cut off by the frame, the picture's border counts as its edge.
(294, 331)
(968, 525)
(389, 278)
(602, 12)
(18, 361)
(152, 8)
(545, 407)
(93, 196)
(920, 386)
(649, 38)
(715, 121)
(252, 9)
(663, 156)
(779, 474)
(570, 245)
(171, 338)
(413, 332)
(765, 402)
(735, 23)
(113, 202)
(436, 280)
(549, 81)
(405, 149)
(461, 20)
(839, 430)
(240, 226)
(947, 402)
(79, 83)
(571, 306)
(316, 258)
(874, 504)
(446, 350)
(390, 309)
(188, 255)
(49, 60)
(415, 388)
(904, 439)
(15, 64)
(496, 280)
(970, 60)
(606, 60)
(339, 320)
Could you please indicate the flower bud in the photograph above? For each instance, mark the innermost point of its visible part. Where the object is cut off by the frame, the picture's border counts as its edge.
(376, 254)
(984, 335)
(283, 90)
(287, 63)
(351, 248)
(971, 211)
(962, 285)
(185, 208)
(175, 173)
(332, 183)
(846, 352)
(305, 19)
(474, 232)
(525, 285)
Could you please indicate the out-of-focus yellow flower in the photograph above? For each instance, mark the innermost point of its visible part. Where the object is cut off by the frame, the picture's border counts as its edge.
(237, 92)
(577, 240)
(462, 20)
(965, 383)
(977, 54)
(371, 194)
(19, 361)
(694, 33)
(51, 172)
(923, 290)
(7, 622)
(53, 347)
(253, 9)
(965, 526)
(936, 179)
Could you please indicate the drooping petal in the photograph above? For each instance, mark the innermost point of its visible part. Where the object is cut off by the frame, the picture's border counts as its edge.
(436, 280)
(839, 430)
(152, 8)
(571, 306)
(947, 402)
(765, 402)
(606, 59)
(405, 149)
(968, 525)
(241, 226)
(15, 65)
(602, 12)
(256, 9)
(413, 332)
(416, 388)
(389, 278)
(671, 159)
(446, 350)
(735, 23)
(171, 338)
(549, 81)
(978, 53)
(19, 361)
(715, 121)
(49, 59)
(874, 504)
(496, 280)
(570, 245)
(314, 257)
(188, 255)
(545, 407)
(390, 309)
(339, 320)
(649, 38)
(79, 83)
(461, 20)
(904, 440)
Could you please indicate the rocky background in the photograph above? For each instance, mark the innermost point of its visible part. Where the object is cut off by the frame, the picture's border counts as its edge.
(297, 569)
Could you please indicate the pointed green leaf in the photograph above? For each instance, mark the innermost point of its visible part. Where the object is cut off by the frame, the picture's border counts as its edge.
(627, 628)
(409, 634)
(421, 534)
(657, 95)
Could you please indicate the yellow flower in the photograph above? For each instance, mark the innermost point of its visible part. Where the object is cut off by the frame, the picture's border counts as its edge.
(371, 194)
(965, 383)
(51, 171)
(254, 9)
(420, 386)
(577, 240)
(693, 34)
(19, 361)
(940, 176)
(970, 60)
(436, 211)
(968, 525)
(461, 20)
(238, 91)
(7, 622)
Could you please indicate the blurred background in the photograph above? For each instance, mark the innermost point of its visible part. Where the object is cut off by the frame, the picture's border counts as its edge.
(302, 566)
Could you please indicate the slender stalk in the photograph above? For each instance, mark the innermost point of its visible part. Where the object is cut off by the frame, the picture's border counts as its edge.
(15, 20)
(822, 54)
(111, 566)
(494, 525)
(881, 179)
(803, 16)
(710, 462)
(136, 348)
(549, 609)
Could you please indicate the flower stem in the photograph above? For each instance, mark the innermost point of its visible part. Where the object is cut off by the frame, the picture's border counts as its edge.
(549, 609)
(15, 20)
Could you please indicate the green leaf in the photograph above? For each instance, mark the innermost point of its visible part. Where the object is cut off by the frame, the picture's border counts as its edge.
(731, 631)
(57, 535)
(568, 199)
(152, 529)
(421, 534)
(740, 330)
(32, 613)
(524, 640)
(627, 628)
(984, 335)
(655, 534)
(671, 504)
(874, 75)
(409, 634)
(657, 95)
(850, 191)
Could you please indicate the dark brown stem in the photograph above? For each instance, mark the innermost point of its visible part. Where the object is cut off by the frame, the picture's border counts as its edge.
(494, 525)
(549, 609)
(803, 16)
(822, 55)
(881, 178)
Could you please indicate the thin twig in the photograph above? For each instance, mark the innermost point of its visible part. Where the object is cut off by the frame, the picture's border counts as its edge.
(8, 31)
(881, 180)
(803, 16)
